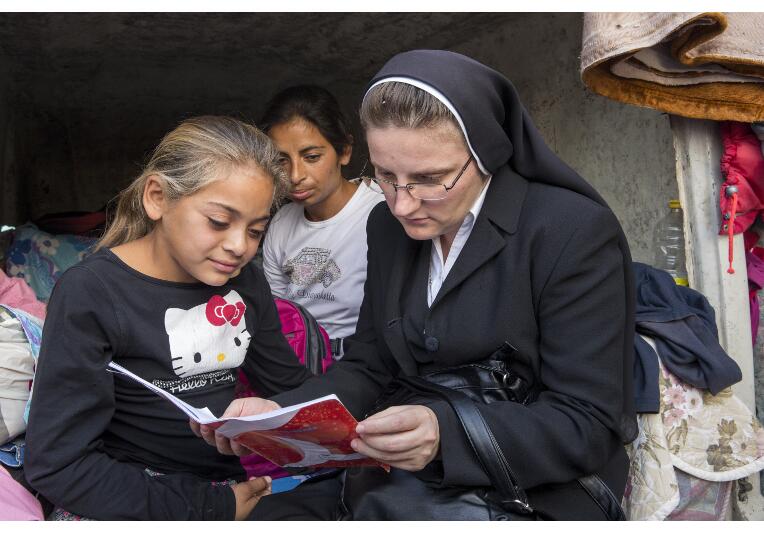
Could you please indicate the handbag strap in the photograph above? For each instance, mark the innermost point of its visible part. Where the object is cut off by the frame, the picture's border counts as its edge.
(481, 439)
(493, 460)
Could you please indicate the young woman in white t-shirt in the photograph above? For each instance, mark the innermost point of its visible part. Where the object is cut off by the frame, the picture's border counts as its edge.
(315, 248)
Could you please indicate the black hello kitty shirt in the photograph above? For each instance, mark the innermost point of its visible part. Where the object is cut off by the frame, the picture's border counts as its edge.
(93, 435)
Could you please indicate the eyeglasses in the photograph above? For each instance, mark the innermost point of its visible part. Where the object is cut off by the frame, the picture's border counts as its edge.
(420, 191)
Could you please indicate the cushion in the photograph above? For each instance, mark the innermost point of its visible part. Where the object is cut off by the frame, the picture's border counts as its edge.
(40, 258)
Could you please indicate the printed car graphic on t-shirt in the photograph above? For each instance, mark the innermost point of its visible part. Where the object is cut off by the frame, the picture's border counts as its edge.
(312, 265)
(211, 336)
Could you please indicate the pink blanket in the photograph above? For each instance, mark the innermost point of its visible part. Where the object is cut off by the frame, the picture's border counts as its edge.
(17, 503)
(14, 292)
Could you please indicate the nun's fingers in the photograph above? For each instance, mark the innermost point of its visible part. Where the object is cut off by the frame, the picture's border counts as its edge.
(406, 436)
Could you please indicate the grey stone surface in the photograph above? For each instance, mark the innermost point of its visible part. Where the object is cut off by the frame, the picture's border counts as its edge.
(90, 94)
(625, 152)
(95, 92)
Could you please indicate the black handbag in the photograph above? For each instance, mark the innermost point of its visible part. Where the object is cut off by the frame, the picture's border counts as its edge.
(372, 494)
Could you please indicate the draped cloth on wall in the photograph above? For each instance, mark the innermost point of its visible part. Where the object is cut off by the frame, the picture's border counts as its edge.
(697, 65)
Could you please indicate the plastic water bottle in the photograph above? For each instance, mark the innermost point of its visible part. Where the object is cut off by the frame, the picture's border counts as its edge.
(670, 239)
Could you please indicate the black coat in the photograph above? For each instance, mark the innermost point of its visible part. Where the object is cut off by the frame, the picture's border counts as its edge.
(543, 270)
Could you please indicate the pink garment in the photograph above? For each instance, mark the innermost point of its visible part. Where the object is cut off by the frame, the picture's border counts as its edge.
(755, 265)
(14, 292)
(17, 502)
(742, 166)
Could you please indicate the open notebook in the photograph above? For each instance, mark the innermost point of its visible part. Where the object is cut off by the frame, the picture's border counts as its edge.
(311, 434)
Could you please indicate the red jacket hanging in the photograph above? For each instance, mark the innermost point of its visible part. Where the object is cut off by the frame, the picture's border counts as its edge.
(741, 198)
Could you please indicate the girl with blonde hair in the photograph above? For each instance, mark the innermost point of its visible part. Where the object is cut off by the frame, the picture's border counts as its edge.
(171, 295)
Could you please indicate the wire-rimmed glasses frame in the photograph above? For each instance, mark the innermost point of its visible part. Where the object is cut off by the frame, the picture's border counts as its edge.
(414, 186)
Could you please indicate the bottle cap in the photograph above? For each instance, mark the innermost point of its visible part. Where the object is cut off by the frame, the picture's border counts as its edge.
(674, 204)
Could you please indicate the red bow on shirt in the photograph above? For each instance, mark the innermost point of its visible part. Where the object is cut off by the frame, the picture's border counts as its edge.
(219, 311)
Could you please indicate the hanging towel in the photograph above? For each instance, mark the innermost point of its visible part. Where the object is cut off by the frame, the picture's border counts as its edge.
(697, 65)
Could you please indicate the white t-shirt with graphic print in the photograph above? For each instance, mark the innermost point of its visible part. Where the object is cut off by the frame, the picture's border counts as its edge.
(321, 265)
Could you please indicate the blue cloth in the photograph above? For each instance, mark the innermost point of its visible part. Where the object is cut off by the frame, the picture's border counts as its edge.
(40, 258)
(682, 323)
(285, 484)
(12, 453)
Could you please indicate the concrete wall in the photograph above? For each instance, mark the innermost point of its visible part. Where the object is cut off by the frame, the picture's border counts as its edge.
(625, 152)
(96, 92)
(9, 194)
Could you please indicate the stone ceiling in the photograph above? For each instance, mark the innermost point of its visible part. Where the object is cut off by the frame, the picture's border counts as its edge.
(84, 97)
(84, 58)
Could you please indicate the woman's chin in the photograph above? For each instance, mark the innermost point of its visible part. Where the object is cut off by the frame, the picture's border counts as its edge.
(420, 232)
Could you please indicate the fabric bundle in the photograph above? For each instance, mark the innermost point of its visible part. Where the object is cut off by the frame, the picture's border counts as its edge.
(696, 439)
(682, 323)
(40, 258)
(16, 373)
(695, 436)
(697, 65)
(758, 130)
(742, 166)
(17, 503)
(741, 200)
(20, 337)
(16, 293)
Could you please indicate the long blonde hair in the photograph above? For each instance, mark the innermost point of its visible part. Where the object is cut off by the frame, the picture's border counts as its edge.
(188, 158)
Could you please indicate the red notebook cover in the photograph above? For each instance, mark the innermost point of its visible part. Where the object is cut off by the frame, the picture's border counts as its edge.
(316, 435)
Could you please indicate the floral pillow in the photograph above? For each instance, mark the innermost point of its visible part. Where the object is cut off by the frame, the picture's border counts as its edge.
(712, 439)
(40, 258)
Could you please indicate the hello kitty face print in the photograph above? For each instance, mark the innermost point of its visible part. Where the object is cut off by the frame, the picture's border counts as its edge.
(208, 337)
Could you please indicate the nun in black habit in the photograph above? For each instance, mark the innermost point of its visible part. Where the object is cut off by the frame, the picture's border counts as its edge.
(487, 244)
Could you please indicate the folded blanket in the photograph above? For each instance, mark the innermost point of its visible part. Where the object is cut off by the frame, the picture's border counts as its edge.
(711, 438)
(16, 373)
(698, 65)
